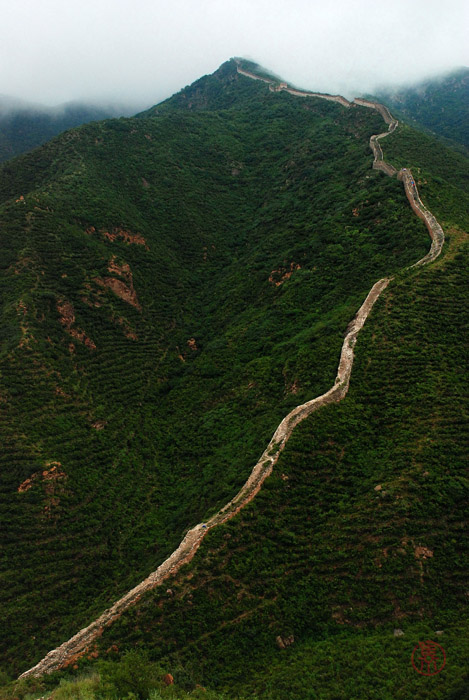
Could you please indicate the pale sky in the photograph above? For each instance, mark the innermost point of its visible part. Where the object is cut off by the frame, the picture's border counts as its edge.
(141, 51)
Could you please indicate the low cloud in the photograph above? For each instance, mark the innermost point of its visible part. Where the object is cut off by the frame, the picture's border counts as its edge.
(142, 51)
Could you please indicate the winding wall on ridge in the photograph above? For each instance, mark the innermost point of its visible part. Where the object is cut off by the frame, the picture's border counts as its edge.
(79, 643)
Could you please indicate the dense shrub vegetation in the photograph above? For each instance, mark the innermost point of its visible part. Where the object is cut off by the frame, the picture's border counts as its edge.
(442, 174)
(241, 229)
(24, 127)
(440, 105)
(360, 527)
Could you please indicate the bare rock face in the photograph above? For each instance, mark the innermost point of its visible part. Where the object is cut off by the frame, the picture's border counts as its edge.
(121, 290)
(423, 553)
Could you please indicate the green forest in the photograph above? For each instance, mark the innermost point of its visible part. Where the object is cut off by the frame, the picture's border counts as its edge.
(439, 105)
(24, 127)
(171, 286)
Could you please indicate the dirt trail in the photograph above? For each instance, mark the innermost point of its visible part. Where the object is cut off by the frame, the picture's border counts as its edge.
(78, 644)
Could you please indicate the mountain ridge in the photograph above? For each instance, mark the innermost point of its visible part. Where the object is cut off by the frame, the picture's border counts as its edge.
(24, 126)
(192, 540)
(126, 248)
(440, 105)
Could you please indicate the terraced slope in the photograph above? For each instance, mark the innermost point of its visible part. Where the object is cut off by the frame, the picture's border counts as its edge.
(186, 550)
(137, 449)
(358, 531)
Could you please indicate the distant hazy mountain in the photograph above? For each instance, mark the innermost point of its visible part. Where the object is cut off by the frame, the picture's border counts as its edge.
(25, 126)
(441, 104)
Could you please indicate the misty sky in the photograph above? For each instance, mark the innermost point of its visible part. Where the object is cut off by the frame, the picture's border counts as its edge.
(141, 51)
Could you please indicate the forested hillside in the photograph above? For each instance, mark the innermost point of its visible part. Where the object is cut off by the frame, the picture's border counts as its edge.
(360, 531)
(172, 285)
(24, 127)
(440, 105)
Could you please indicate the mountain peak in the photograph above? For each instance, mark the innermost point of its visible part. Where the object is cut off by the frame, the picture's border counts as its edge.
(222, 89)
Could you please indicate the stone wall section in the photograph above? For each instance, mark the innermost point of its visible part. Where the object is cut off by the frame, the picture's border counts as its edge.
(434, 229)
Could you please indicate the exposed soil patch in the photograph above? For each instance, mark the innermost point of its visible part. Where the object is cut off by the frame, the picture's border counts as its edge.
(281, 274)
(123, 269)
(54, 473)
(99, 424)
(26, 335)
(67, 319)
(123, 289)
(423, 553)
(120, 289)
(121, 233)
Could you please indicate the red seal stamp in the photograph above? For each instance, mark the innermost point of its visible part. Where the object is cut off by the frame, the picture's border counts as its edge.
(428, 658)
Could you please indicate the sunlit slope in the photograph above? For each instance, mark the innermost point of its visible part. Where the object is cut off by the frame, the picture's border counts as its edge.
(170, 287)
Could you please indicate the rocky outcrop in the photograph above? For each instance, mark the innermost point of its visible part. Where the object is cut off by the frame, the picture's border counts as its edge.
(284, 642)
(53, 473)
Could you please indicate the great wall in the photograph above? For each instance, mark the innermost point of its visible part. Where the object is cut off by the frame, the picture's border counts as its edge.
(79, 644)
